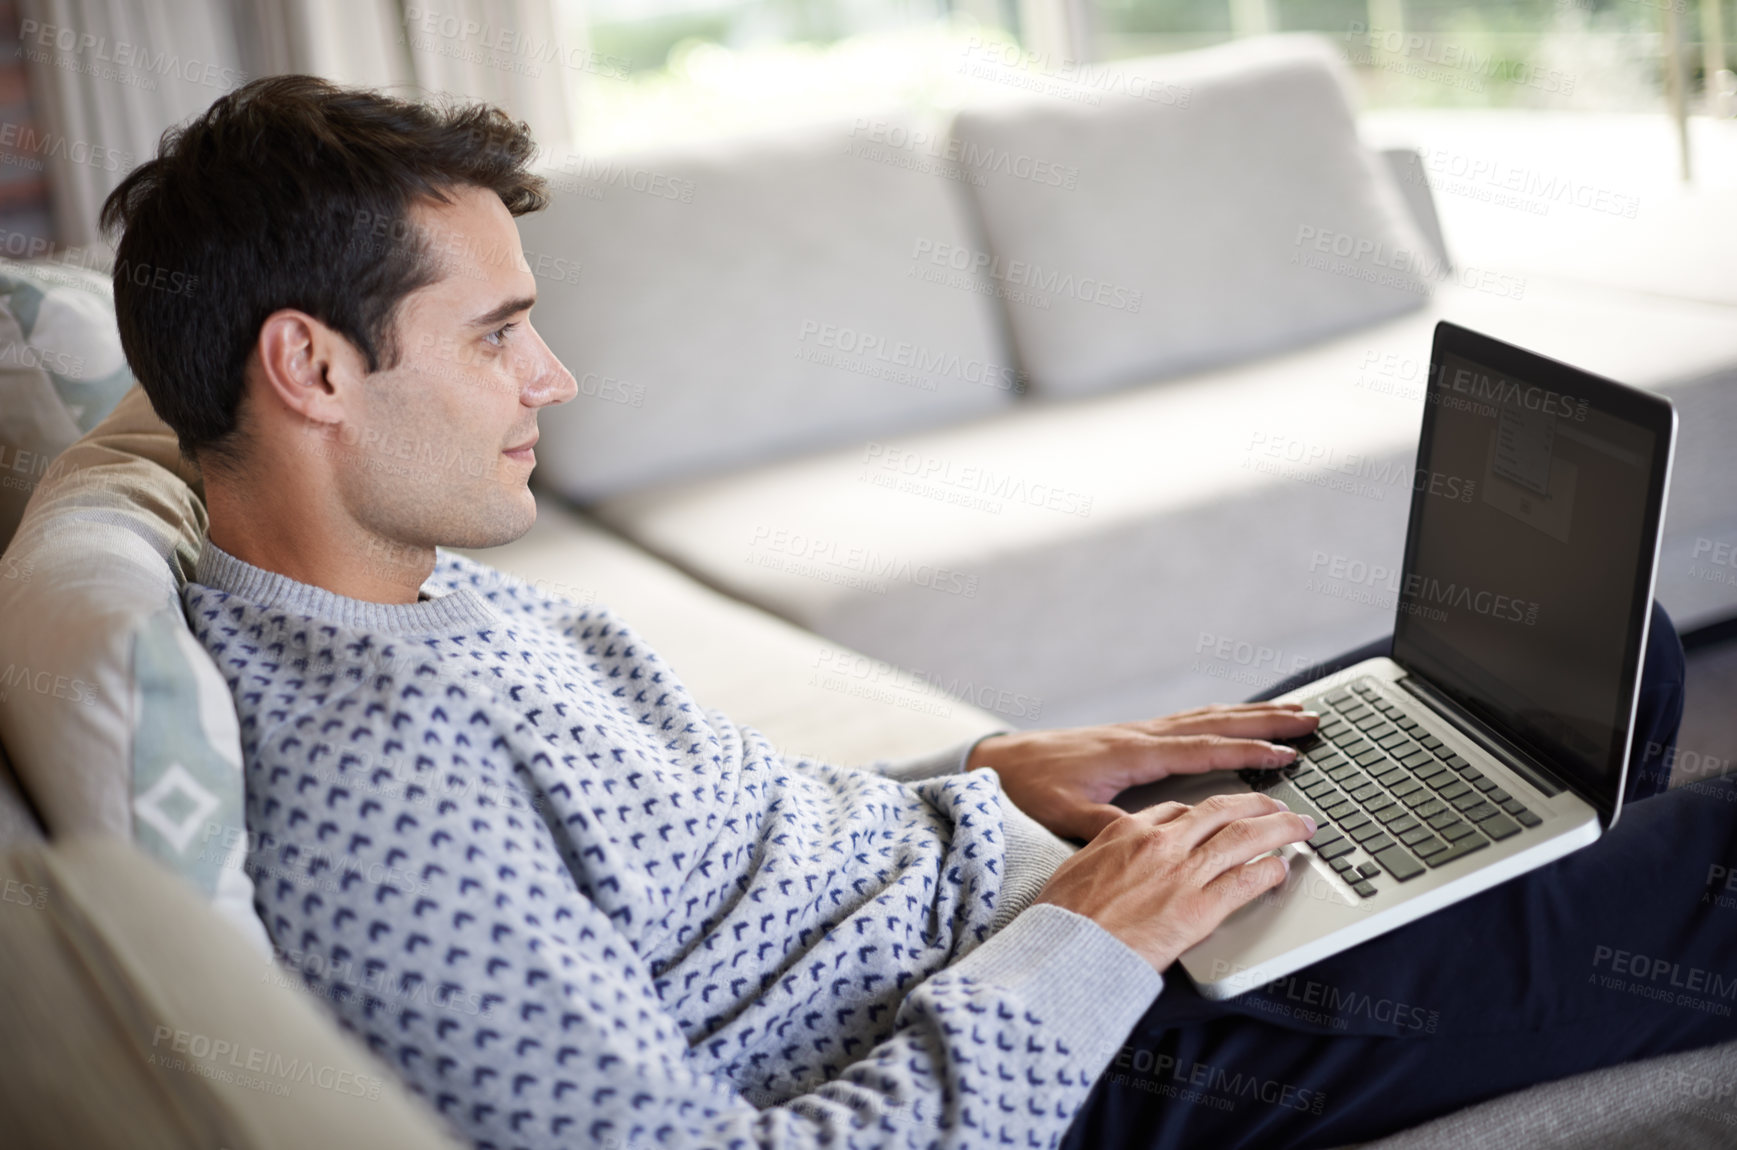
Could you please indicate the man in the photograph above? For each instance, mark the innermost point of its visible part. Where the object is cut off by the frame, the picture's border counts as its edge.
(566, 904)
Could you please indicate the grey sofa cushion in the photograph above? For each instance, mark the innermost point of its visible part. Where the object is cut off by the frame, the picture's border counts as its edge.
(1158, 547)
(751, 304)
(1684, 1101)
(1244, 218)
(811, 696)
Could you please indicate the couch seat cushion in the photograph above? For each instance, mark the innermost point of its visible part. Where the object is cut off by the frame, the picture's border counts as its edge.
(1164, 546)
(812, 696)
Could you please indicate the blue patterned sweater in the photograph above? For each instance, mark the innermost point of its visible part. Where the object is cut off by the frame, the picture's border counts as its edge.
(570, 908)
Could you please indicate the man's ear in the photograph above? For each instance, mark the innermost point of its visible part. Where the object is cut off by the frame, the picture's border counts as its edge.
(307, 369)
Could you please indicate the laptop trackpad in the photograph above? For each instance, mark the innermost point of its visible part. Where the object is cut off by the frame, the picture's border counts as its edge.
(1189, 789)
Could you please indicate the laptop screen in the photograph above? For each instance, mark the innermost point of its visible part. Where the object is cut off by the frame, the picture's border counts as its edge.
(1530, 555)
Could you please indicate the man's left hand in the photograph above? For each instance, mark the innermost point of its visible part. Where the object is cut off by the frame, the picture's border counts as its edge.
(1066, 778)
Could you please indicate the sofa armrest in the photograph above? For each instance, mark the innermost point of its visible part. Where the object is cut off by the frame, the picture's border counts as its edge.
(1406, 164)
(123, 976)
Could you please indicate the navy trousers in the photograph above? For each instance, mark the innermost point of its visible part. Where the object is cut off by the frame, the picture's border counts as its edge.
(1623, 950)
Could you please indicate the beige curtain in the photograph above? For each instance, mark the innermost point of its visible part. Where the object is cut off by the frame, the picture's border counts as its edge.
(107, 77)
(346, 41)
(508, 52)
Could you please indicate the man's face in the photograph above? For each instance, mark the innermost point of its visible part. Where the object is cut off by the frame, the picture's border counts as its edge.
(436, 450)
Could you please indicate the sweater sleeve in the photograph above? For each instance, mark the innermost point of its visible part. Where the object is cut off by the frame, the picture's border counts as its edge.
(448, 928)
(946, 761)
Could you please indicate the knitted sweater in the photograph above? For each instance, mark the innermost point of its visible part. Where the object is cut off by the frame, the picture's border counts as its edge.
(573, 909)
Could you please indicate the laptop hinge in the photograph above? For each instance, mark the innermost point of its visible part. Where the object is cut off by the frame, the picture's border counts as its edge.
(1481, 734)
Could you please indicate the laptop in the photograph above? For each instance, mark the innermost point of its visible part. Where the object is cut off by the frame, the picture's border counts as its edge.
(1495, 739)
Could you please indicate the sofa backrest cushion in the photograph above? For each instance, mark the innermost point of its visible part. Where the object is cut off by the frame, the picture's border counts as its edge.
(61, 370)
(1209, 206)
(728, 306)
(115, 717)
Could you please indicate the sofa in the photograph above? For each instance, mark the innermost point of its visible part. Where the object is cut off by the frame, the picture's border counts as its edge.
(887, 436)
(1075, 411)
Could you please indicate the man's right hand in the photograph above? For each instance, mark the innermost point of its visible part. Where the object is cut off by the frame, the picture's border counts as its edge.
(1163, 878)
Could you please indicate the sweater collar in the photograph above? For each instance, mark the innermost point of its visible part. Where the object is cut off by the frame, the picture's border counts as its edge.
(456, 610)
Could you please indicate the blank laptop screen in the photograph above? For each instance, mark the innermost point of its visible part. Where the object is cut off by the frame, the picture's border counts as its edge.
(1530, 550)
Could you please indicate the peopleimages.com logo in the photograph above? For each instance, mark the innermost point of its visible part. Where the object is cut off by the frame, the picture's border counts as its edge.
(1024, 274)
(851, 349)
(119, 60)
(1407, 51)
(967, 484)
(1504, 392)
(851, 565)
(962, 155)
(48, 684)
(1422, 591)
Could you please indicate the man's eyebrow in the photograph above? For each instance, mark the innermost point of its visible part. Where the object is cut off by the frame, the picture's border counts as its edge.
(510, 307)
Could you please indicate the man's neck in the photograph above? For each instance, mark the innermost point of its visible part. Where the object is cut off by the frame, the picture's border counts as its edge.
(273, 530)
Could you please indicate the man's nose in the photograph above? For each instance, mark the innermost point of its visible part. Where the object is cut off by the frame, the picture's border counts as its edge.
(549, 382)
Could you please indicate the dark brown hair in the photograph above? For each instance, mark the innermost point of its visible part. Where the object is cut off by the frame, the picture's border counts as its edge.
(289, 192)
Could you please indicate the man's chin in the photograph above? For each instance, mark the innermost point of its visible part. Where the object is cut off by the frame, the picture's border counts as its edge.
(503, 521)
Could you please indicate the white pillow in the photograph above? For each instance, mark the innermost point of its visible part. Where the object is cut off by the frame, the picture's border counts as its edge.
(729, 306)
(1217, 205)
(61, 370)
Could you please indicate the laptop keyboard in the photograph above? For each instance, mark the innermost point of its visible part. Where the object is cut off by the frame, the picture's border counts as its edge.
(1390, 800)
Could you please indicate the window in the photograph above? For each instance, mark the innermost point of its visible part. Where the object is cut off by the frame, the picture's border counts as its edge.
(707, 68)
(711, 68)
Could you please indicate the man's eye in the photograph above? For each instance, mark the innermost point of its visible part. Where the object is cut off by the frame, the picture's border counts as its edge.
(498, 337)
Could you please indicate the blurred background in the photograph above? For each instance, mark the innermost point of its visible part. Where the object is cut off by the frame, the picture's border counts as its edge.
(1637, 87)
(1569, 145)
(1633, 96)
(943, 367)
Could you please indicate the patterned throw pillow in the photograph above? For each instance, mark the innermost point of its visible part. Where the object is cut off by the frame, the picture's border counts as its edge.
(61, 370)
(187, 782)
(115, 718)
